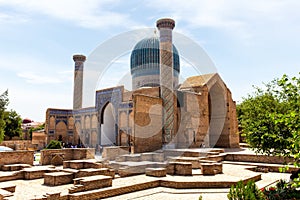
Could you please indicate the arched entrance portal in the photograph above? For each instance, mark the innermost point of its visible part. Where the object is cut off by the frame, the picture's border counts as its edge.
(217, 105)
(108, 133)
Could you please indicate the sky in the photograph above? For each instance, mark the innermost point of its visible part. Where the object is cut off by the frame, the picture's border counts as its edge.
(249, 41)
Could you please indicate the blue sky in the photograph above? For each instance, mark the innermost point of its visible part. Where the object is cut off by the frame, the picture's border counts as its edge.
(250, 41)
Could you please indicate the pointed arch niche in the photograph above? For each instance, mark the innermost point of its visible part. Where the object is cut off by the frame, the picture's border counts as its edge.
(108, 133)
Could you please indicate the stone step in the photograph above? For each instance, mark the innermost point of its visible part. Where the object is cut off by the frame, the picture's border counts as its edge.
(156, 172)
(91, 183)
(36, 173)
(58, 178)
(14, 167)
(211, 168)
(93, 172)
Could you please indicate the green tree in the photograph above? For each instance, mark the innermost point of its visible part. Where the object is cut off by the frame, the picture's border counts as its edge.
(3, 103)
(270, 118)
(13, 124)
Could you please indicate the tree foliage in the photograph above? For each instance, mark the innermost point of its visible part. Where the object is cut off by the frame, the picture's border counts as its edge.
(270, 119)
(13, 124)
(54, 144)
(10, 121)
(3, 103)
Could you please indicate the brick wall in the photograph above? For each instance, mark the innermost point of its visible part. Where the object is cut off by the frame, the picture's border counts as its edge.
(16, 157)
(17, 144)
(68, 154)
(147, 134)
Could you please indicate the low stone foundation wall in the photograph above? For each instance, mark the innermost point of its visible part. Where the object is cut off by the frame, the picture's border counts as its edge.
(16, 157)
(18, 144)
(111, 153)
(257, 158)
(68, 154)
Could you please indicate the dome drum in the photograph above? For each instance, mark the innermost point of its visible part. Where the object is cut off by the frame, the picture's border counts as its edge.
(145, 61)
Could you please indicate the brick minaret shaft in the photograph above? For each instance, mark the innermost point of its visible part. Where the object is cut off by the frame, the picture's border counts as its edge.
(165, 27)
(78, 80)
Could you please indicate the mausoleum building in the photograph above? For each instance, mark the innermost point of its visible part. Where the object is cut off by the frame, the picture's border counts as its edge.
(158, 113)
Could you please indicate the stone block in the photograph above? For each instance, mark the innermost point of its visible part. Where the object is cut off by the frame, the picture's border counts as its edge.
(213, 153)
(156, 172)
(180, 168)
(195, 161)
(121, 158)
(132, 157)
(58, 178)
(211, 168)
(146, 156)
(14, 167)
(218, 168)
(57, 160)
(183, 168)
(66, 164)
(30, 174)
(158, 157)
(68, 154)
(131, 170)
(111, 153)
(217, 158)
(171, 168)
(90, 183)
(53, 195)
(16, 157)
(76, 164)
(93, 172)
(207, 169)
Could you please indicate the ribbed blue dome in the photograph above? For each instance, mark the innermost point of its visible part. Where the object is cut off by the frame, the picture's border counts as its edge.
(144, 58)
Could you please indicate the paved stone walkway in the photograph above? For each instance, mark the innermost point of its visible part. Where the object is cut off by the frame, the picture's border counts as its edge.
(31, 189)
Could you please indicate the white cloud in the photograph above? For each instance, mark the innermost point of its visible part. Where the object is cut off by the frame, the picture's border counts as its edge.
(34, 70)
(35, 78)
(240, 18)
(86, 13)
(12, 18)
(32, 102)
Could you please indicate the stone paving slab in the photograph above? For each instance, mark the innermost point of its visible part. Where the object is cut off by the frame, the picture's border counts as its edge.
(172, 194)
(31, 189)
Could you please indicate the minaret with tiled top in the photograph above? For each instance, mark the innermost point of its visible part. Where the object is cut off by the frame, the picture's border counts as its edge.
(165, 27)
(78, 80)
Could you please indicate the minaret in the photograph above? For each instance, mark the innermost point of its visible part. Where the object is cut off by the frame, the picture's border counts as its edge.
(165, 27)
(78, 80)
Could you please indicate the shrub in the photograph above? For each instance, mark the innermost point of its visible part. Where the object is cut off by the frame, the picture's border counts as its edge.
(245, 192)
(54, 144)
(282, 190)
